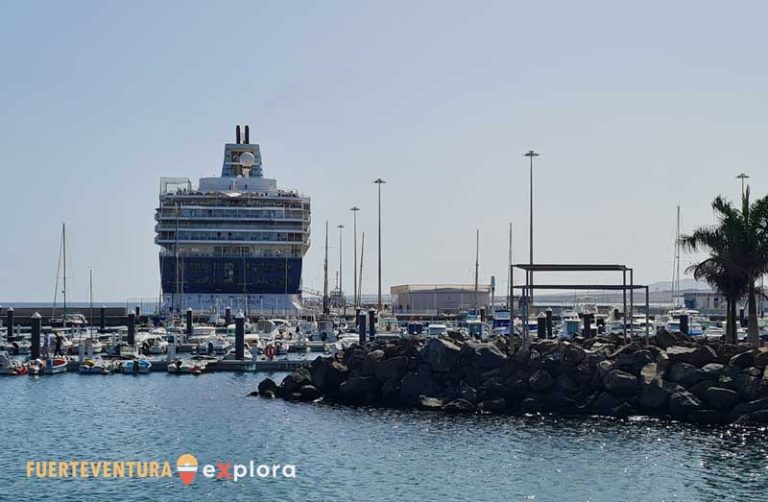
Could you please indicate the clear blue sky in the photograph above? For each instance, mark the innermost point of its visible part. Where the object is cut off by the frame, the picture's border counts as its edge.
(635, 108)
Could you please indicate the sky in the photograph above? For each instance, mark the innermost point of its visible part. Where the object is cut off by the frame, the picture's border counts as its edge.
(634, 107)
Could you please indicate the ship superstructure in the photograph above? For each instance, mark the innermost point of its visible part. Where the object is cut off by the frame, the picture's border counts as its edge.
(235, 240)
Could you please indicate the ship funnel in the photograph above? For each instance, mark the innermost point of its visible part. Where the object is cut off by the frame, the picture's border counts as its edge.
(237, 134)
(247, 136)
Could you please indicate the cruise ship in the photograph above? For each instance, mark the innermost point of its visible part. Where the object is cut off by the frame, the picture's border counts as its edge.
(235, 240)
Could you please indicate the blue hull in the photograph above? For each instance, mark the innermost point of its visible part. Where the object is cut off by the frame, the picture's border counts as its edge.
(213, 275)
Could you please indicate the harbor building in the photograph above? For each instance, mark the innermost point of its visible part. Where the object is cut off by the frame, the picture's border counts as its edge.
(438, 299)
(235, 240)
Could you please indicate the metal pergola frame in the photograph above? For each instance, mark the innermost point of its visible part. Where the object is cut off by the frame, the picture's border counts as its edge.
(527, 290)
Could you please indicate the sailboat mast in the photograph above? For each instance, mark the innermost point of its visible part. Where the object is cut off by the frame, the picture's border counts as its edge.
(64, 262)
(477, 264)
(90, 298)
(360, 284)
(676, 261)
(325, 273)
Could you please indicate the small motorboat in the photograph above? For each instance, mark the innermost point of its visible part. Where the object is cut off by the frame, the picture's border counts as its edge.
(55, 366)
(10, 366)
(214, 345)
(179, 367)
(91, 367)
(138, 366)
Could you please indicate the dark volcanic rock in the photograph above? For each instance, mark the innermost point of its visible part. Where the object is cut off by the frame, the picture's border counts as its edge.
(720, 398)
(540, 381)
(604, 404)
(620, 383)
(633, 362)
(310, 393)
(487, 356)
(358, 390)
(393, 368)
(680, 354)
(682, 404)
(712, 370)
(417, 384)
(372, 361)
(267, 388)
(294, 381)
(761, 357)
(685, 374)
(327, 374)
(704, 355)
(431, 403)
(705, 417)
(743, 359)
(459, 406)
(441, 355)
(665, 339)
(497, 404)
(655, 395)
(756, 417)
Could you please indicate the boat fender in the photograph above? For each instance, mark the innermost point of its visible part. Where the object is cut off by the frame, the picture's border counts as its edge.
(269, 351)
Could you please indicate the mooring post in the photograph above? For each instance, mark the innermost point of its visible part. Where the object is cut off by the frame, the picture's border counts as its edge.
(360, 321)
(587, 325)
(37, 323)
(189, 323)
(81, 352)
(742, 320)
(372, 323)
(9, 331)
(103, 319)
(684, 324)
(240, 336)
(138, 314)
(549, 323)
(541, 326)
(131, 328)
(228, 316)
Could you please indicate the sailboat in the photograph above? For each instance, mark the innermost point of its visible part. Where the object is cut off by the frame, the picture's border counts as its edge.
(74, 320)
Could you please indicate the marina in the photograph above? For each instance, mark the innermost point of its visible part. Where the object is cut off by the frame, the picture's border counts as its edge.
(383, 251)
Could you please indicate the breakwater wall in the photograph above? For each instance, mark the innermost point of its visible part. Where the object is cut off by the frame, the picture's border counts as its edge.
(672, 376)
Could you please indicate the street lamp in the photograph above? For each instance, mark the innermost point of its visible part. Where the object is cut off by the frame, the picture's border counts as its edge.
(354, 210)
(742, 177)
(531, 154)
(341, 275)
(379, 182)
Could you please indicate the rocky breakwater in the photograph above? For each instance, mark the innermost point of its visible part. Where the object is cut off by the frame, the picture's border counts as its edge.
(673, 377)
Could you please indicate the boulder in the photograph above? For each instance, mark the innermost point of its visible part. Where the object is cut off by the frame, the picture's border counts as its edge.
(682, 404)
(267, 388)
(441, 355)
(516, 387)
(700, 389)
(705, 417)
(743, 360)
(712, 370)
(685, 374)
(309, 393)
(747, 386)
(468, 393)
(558, 402)
(327, 374)
(532, 404)
(459, 406)
(655, 395)
(604, 404)
(680, 354)
(497, 404)
(620, 383)
(295, 381)
(491, 388)
(633, 362)
(540, 381)
(649, 373)
(566, 384)
(358, 390)
(756, 417)
(416, 384)
(749, 407)
(487, 356)
(703, 355)
(665, 339)
(393, 368)
(761, 357)
(720, 398)
(354, 357)
(372, 361)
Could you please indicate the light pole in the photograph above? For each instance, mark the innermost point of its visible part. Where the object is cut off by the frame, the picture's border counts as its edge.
(354, 210)
(742, 177)
(531, 154)
(341, 275)
(379, 182)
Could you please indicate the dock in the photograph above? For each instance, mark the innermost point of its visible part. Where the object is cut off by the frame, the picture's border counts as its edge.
(231, 365)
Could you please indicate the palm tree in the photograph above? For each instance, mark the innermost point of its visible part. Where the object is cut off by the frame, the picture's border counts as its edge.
(738, 248)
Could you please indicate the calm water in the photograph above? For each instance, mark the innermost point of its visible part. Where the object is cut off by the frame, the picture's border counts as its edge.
(354, 454)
